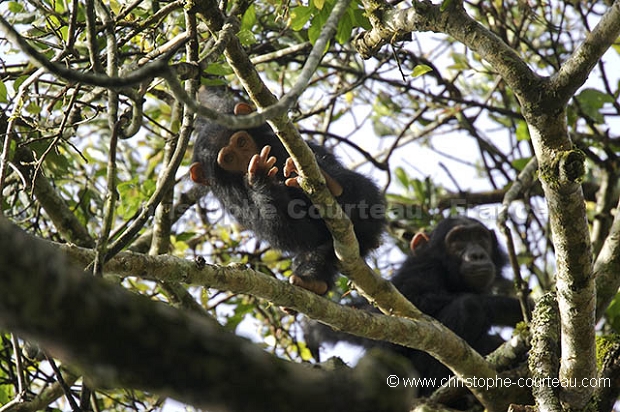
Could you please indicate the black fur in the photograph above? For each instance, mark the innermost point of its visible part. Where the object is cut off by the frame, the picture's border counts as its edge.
(282, 215)
(433, 279)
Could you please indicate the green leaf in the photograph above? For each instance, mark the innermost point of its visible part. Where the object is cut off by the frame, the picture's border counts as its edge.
(129, 199)
(318, 4)
(33, 108)
(345, 28)
(299, 17)
(15, 7)
(18, 82)
(249, 18)
(314, 31)
(84, 198)
(396, 198)
(304, 352)
(3, 92)
(381, 129)
(595, 97)
(241, 310)
(523, 133)
(520, 164)
(591, 102)
(246, 37)
(444, 5)
(402, 177)
(205, 81)
(219, 69)
(359, 18)
(421, 69)
(132, 194)
(271, 256)
(419, 189)
(613, 313)
(185, 236)
(5, 394)
(461, 62)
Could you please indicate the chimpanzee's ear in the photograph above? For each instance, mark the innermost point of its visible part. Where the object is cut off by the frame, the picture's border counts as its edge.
(419, 239)
(242, 108)
(197, 174)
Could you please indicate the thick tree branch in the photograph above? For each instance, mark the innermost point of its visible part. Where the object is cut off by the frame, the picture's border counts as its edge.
(420, 333)
(543, 104)
(607, 268)
(118, 338)
(44, 297)
(575, 71)
(393, 23)
(33, 277)
(610, 370)
(147, 72)
(345, 243)
(561, 171)
(543, 359)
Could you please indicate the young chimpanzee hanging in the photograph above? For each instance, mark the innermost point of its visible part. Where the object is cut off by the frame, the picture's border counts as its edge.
(251, 174)
(451, 276)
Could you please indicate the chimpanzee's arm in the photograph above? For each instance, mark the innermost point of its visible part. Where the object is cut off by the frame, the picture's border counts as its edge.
(287, 219)
(470, 316)
(359, 197)
(502, 310)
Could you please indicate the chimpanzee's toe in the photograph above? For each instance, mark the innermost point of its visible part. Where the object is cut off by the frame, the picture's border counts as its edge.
(319, 287)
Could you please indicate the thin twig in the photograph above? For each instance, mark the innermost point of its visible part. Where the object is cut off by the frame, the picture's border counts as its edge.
(523, 181)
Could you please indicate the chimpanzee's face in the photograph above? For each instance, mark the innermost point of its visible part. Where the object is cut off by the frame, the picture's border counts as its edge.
(472, 245)
(236, 155)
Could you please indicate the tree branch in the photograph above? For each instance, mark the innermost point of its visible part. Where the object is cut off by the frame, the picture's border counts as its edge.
(394, 23)
(120, 339)
(42, 282)
(420, 333)
(574, 72)
(345, 243)
(147, 72)
(46, 397)
(55, 206)
(543, 358)
(607, 267)
(562, 168)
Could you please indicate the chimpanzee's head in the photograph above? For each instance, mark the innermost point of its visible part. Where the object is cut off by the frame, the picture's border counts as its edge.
(467, 249)
(222, 153)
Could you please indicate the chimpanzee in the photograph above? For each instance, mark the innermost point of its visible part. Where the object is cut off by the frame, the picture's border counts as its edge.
(251, 174)
(449, 275)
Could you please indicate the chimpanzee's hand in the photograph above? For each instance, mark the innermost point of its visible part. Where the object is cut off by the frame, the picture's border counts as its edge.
(262, 165)
(289, 168)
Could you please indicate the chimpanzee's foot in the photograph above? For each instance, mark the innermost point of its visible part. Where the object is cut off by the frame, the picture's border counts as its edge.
(319, 287)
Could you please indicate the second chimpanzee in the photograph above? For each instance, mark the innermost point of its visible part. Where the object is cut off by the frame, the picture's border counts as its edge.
(449, 275)
(251, 174)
